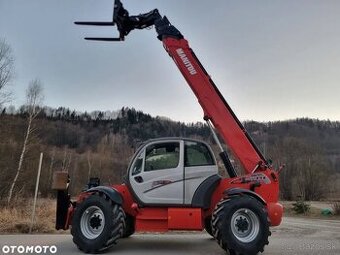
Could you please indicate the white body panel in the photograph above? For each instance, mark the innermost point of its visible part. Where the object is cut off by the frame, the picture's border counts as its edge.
(194, 176)
(167, 186)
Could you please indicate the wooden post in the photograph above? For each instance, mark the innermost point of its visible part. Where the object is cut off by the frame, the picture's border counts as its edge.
(36, 192)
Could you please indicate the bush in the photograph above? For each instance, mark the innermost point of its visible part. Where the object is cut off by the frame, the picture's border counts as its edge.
(301, 207)
(336, 208)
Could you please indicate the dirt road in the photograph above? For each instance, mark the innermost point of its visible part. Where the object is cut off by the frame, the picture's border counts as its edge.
(294, 236)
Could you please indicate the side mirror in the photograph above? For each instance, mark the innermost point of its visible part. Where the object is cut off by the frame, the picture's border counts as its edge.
(94, 182)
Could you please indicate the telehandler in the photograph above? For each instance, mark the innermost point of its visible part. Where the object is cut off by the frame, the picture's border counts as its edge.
(173, 183)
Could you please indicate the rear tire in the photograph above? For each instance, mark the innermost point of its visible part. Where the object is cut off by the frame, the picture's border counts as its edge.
(97, 224)
(207, 226)
(240, 225)
(129, 226)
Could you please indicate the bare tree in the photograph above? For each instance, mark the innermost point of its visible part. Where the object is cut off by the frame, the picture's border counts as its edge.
(313, 174)
(89, 163)
(34, 97)
(66, 160)
(51, 166)
(6, 70)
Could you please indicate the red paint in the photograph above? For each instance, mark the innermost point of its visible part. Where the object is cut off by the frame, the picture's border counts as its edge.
(185, 219)
(163, 219)
(152, 220)
(275, 211)
(128, 200)
(69, 217)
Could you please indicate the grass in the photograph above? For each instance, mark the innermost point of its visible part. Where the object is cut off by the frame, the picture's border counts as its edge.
(17, 217)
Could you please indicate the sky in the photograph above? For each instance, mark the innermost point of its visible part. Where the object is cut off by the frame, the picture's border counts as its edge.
(272, 60)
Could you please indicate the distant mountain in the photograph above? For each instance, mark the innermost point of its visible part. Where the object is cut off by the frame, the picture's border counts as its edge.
(101, 144)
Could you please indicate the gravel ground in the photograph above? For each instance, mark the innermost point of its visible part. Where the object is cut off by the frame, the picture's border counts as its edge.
(293, 236)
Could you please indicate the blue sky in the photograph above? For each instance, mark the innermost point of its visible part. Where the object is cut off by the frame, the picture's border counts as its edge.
(272, 60)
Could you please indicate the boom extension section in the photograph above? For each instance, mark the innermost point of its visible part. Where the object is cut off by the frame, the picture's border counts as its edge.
(216, 110)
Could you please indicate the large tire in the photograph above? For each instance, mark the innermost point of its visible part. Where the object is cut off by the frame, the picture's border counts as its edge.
(129, 226)
(97, 224)
(240, 225)
(207, 226)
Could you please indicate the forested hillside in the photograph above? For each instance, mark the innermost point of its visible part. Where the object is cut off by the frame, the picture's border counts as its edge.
(102, 143)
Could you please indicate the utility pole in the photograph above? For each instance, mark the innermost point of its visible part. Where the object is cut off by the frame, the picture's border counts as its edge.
(36, 192)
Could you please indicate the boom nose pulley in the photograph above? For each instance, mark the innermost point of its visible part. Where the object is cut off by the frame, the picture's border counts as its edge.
(123, 21)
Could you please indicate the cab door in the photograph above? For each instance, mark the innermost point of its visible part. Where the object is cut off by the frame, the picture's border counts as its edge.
(199, 165)
(157, 173)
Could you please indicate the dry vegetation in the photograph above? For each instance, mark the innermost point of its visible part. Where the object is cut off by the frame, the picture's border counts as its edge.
(336, 208)
(17, 218)
(315, 210)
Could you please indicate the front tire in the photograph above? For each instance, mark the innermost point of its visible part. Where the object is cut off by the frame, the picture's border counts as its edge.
(97, 223)
(240, 225)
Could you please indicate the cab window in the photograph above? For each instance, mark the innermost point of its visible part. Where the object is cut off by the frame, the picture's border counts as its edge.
(162, 156)
(138, 164)
(197, 154)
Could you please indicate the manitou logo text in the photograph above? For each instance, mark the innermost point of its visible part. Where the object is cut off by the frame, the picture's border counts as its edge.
(186, 61)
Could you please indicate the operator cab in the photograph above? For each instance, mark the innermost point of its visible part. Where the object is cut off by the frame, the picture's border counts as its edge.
(172, 171)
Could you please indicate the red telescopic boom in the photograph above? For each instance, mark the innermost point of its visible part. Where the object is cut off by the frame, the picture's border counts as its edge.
(216, 109)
